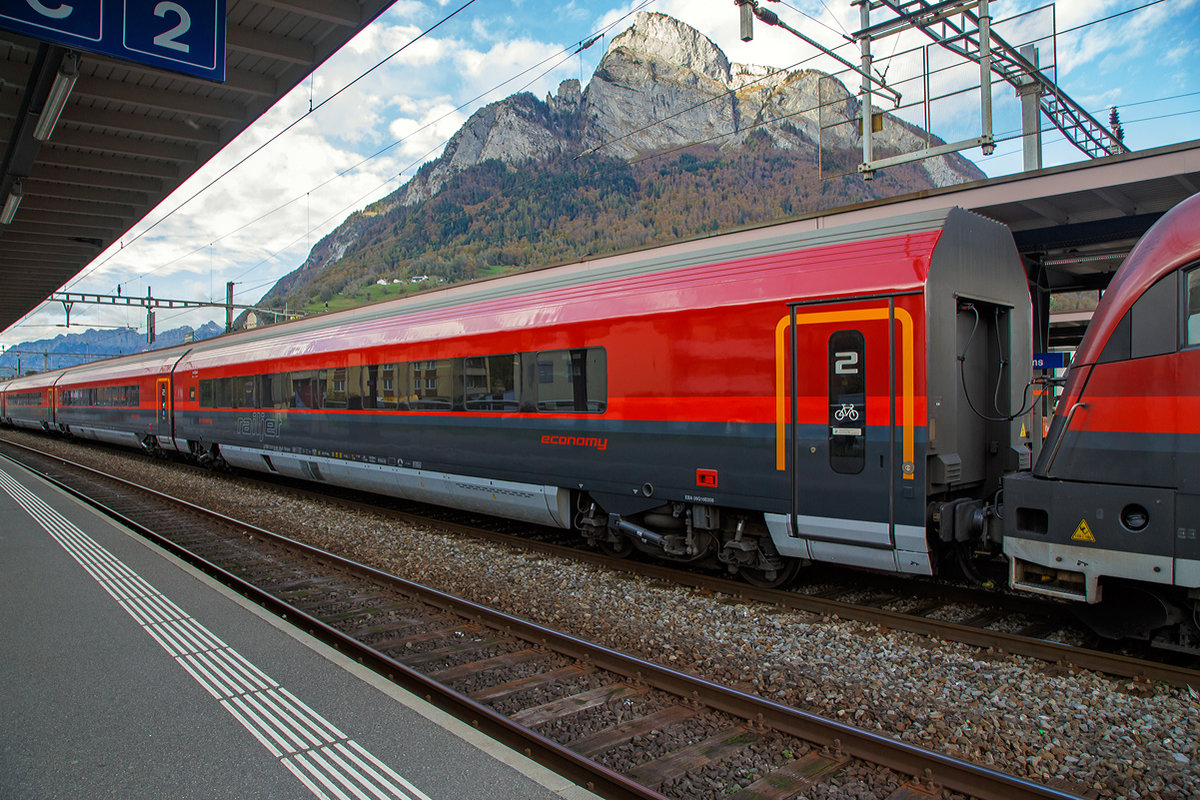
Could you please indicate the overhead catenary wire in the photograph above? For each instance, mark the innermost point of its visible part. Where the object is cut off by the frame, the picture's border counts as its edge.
(312, 109)
(242, 227)
(387, 148)
(562, 55)
(731, 92)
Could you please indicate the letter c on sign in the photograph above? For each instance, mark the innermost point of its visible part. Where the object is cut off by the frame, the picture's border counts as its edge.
(60, 12)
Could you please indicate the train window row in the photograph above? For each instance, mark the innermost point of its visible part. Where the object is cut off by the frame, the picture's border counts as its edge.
(114, 396)
(24, 399)
(571, 381)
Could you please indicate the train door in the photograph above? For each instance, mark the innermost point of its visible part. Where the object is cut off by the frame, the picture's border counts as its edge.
(851, 372)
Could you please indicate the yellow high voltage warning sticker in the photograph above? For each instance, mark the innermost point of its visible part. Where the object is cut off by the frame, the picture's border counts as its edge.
(1083, 533)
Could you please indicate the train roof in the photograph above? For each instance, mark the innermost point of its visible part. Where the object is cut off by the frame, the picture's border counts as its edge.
(151, 362)
(1169, 244)
(38, 380)
(721, 259)
(132, 365)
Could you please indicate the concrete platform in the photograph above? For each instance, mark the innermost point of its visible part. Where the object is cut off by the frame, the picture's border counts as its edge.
(124, 673)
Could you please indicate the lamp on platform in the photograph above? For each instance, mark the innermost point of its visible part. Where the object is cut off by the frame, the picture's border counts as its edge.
(10, 204)
(56, 101)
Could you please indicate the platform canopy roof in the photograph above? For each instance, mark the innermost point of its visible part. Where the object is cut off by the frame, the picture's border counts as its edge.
(130, 134)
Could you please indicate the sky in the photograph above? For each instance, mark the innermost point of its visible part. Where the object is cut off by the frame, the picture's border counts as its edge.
(253, 218)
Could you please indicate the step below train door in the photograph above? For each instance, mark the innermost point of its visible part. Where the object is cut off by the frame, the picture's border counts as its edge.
(851, 384)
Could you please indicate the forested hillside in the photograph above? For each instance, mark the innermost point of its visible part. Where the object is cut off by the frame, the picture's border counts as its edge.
(493, 215)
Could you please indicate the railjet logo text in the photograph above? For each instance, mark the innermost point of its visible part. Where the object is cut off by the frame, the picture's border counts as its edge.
(576, 441)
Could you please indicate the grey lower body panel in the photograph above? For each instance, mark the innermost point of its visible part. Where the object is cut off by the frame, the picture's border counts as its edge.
(119, 438)
(538, 504)
(855, 543)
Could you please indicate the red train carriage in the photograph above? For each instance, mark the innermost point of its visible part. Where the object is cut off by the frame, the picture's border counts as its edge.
(124, 401)
(29, 401)
(755, 399)
(1111, 510)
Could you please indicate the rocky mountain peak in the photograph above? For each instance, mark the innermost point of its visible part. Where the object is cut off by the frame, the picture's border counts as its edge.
(662, 85)
(658, 38)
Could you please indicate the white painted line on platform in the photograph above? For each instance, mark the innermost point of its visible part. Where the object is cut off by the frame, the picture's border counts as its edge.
(325, 760)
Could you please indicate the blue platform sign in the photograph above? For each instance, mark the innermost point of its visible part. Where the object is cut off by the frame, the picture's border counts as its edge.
(1049, 360)
(179, 35)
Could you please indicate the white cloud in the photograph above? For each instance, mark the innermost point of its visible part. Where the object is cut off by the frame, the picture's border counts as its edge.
(420, 136)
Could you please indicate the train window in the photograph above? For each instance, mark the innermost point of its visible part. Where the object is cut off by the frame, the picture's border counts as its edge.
(572, 380)
(492, 383)
(390, 384)
(1192, 309)
(1154, 325)
(239, 392)
(1117, 346)
(78, 397)
(335, 388)
(267, 390)
(433, 385)
(307, 388)
(220, 393)
(847, 402)
(114, 396)
(247, 388)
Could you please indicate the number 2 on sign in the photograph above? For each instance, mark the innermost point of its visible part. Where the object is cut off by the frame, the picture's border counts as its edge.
(168, 38)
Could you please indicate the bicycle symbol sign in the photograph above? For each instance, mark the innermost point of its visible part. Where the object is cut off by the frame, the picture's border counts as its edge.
(846, 413)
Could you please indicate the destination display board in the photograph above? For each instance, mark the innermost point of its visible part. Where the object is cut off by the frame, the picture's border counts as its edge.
(1049, 360)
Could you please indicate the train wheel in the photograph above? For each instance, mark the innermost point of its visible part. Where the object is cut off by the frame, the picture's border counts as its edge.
(771, 579)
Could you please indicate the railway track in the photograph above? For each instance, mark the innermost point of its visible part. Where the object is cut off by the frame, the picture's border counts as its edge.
(618, 725)
(996, 621)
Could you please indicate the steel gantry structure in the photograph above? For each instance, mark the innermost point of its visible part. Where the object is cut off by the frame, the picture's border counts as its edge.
(962, 27)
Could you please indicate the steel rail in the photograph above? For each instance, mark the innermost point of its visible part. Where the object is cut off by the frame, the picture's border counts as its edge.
(1115, 664)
